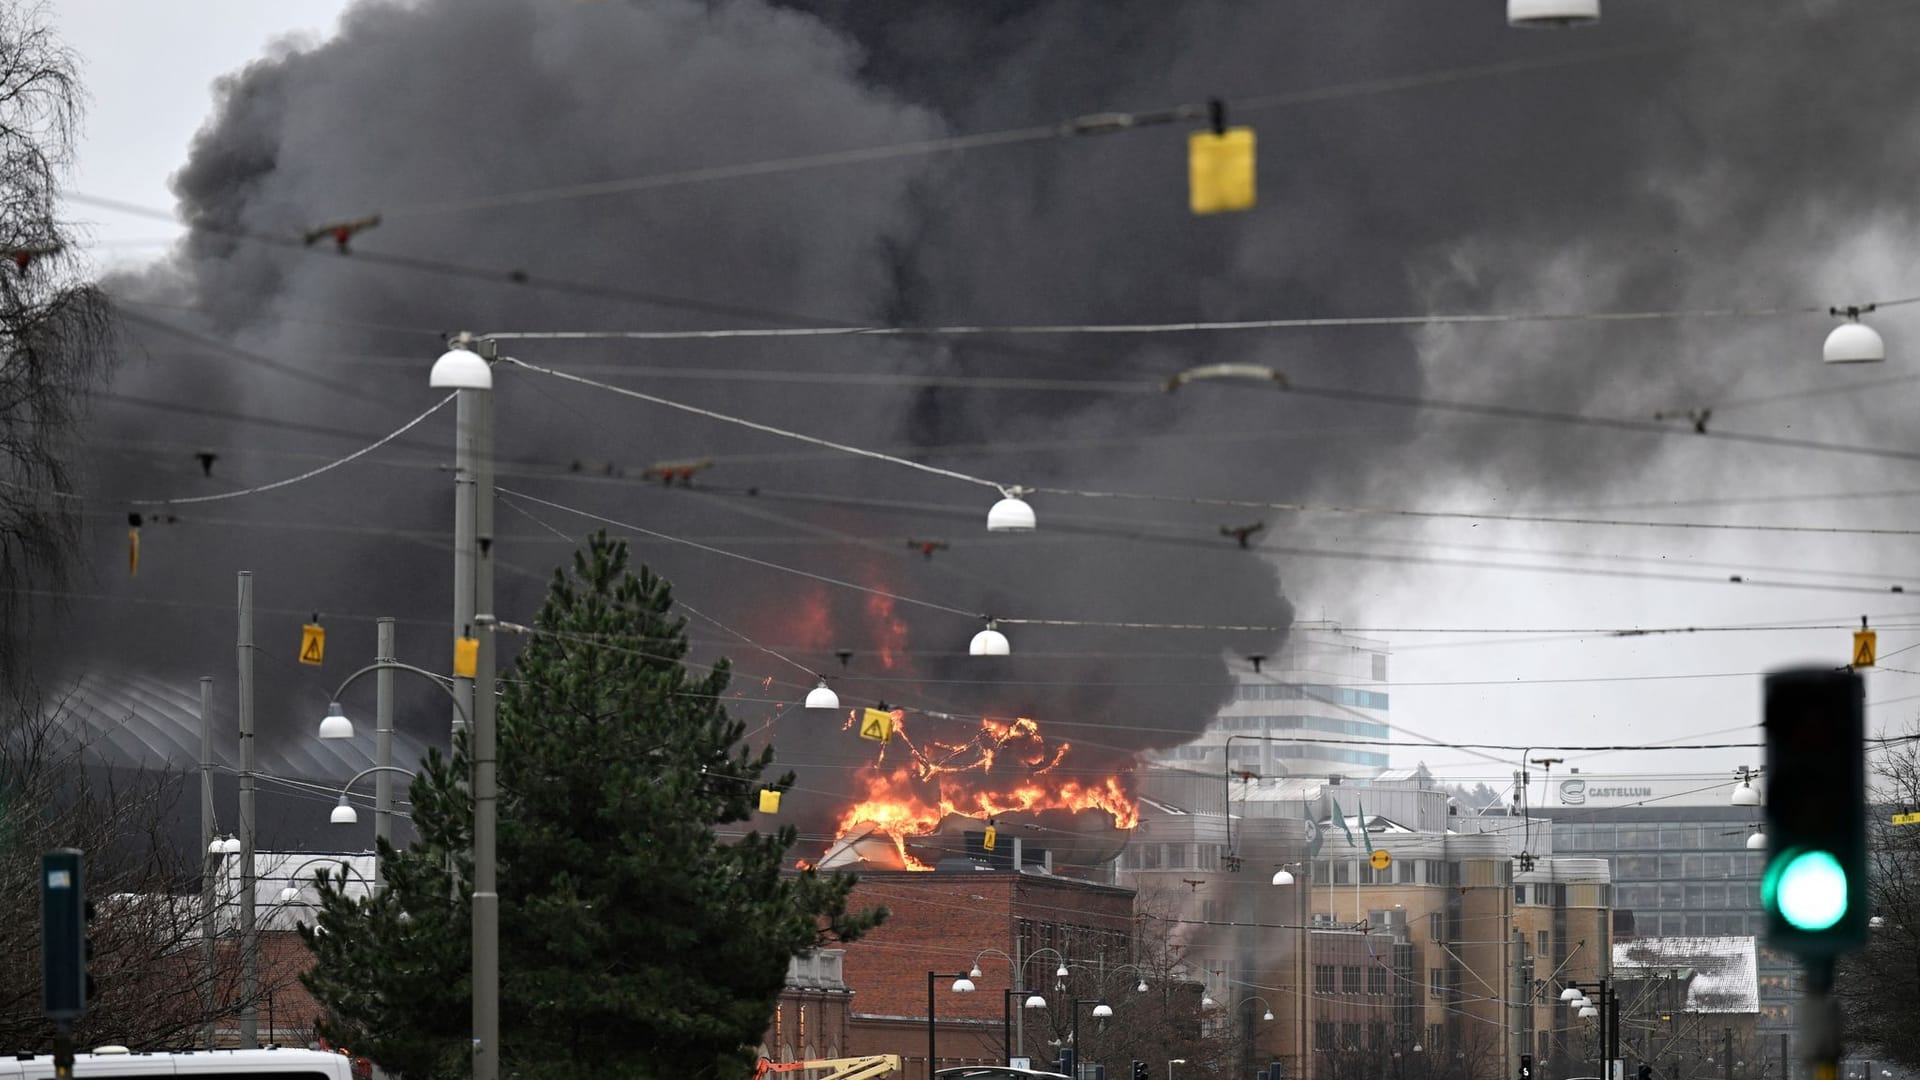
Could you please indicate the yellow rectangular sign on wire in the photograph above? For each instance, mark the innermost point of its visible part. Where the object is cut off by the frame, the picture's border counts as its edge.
(1220, 170)
(876, 724)
(313, 643)
(1864, 643)
(769, 801)
(1908, 818)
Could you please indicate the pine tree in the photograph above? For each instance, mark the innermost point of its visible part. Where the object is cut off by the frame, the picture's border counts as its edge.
(635, 942)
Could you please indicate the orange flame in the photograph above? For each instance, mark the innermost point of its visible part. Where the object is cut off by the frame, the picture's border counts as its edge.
(941, 778)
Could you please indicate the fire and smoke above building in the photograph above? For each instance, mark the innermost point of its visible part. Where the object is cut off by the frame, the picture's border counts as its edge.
(1522, 191)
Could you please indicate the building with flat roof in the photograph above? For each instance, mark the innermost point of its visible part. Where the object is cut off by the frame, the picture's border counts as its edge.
(1322, 684)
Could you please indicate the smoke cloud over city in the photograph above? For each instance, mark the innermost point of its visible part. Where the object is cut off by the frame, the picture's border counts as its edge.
(1475, 190)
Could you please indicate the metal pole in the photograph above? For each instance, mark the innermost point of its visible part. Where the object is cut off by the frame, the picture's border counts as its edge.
(382, 745)
(1613, 1037)
(1727, 1064)
(465, 432)
(206, 857)
(930, 1028)
(249, 936)
(486, 804)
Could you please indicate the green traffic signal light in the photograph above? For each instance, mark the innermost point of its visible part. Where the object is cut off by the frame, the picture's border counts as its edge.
(1808, 888)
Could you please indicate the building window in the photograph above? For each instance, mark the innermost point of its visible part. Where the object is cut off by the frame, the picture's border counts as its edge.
(1323, 978)
(1519, 894)
(1437, 927)
(1349, 980)
(1379, 667)
(1349, 1036)
(1546, 943)
(1323, 1034)
(1376, 980)
(1436, 1037)
(1403, 870)
(1376, 1036)
(1437, 981)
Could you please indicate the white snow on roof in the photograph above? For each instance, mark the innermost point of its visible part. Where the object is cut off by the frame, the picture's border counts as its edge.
(1724, 969)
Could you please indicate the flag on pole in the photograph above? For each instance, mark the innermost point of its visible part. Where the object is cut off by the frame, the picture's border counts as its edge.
(1313, 834)
(1340, 822)
(1361, 819)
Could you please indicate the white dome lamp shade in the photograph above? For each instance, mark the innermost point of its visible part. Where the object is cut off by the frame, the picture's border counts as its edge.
(1746, 795)
(822, 696)
(1853, 342)
(1061, 971)
(336, 725)
(1571, 993)
(1102, 1011)
(1757, 842)
(289, 894)
(963, 985)
(1552, 13)
(1589, 1013)
(989, 642)
(1035, 1001)
(1268, 1016)
(460, 369)
(1012, 513)
(343, 813)
(1283, 877)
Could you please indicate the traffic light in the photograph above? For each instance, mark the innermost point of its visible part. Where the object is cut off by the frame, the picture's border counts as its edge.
(1814, 888)
(63, 935)
(1139, 1070)
(1646, 1072)
(1526, 1067)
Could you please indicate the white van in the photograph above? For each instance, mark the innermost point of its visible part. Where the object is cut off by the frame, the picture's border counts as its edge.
(113, 1063)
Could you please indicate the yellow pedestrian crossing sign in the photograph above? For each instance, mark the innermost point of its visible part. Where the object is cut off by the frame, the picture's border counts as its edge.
(987, 841)
(876, 724)
(1864, 642)
(466, 657)
(313, 643)
(769, 801)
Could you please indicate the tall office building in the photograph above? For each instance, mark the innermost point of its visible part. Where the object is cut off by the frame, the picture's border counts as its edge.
(1310, 710)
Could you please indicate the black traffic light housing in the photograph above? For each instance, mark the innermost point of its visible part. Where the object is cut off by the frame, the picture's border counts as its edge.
(1814, 887)
(1646, 1072)
(1526, 1067)
(63, 934)
(1139, 1070)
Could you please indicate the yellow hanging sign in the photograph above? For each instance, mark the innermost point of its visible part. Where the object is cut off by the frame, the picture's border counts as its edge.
(876, 724)
(1220, 170)
(1864, 643)
(466, 657)
(769, 801)
(1907, 818)
(987, 841)
(313, 644)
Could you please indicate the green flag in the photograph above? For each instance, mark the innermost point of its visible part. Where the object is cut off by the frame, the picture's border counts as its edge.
(1361, 818)
(1313, 834)
(1340, 822)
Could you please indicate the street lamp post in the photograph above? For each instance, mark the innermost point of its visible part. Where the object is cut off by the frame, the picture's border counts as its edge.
(1033, 1001)
(1101, 1010)
(961, 985)
(338, 726)
(470, 376)
(344, 814)
(1606, 1009)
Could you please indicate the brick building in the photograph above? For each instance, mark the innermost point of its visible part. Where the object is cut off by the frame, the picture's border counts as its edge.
(1020, 928)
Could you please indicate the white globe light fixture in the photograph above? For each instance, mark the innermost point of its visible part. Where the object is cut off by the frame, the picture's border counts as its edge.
(963, 985)
(1035, 1001)
(989, 642)
(336, 725)
(1571, 993)
(229, 846)
(1552, 13)
(1102, 1011)
(1589, 1013)
(1061, 971)
(822, 696)
(1746, 794)
(289, 894)
(1142, 988)
(343, 813)
(1853, 342)
(1283, 876)
(975, 973)
(1757, 842)
(460, 369)
(1268, 1016)
(1011, 513)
